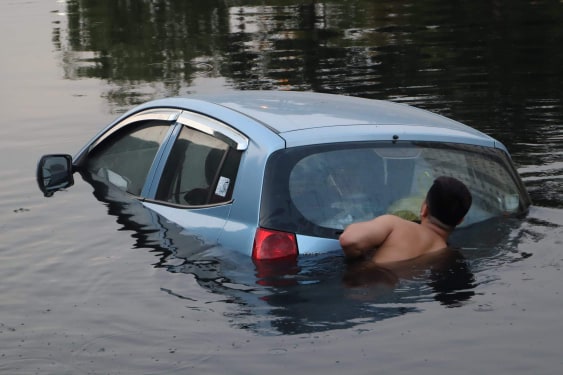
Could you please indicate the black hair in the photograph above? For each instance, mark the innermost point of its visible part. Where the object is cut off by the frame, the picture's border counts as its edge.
(448, 200)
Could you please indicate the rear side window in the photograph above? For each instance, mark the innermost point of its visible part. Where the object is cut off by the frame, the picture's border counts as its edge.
(200, 170)
(319, 190)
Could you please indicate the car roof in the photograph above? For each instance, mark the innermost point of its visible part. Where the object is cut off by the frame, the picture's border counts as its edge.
(285, 111)
(298, 117)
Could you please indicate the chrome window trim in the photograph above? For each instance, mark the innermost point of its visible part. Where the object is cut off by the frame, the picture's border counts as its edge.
(214, 128)
(163, 114)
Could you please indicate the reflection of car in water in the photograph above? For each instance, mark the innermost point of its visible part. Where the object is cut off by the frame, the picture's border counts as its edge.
(276, 174)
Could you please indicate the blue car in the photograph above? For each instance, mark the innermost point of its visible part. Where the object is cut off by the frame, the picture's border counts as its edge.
(278, 174)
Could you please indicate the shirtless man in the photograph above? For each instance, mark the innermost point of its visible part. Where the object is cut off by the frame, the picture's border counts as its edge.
(394, 239)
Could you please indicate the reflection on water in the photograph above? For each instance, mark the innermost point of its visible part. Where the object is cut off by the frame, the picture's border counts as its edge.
(404, 50)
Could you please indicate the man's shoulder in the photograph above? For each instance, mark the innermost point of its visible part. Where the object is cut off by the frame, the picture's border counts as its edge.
(394, 219)
(396, 223)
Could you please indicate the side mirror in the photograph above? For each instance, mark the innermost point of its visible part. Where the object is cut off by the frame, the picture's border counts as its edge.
(54, 172)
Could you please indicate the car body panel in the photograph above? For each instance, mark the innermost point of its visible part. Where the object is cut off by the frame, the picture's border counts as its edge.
(316, 245)
(206, 222)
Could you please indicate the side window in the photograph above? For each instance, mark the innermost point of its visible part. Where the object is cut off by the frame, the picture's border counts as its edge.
(125, 158)
(201, 169)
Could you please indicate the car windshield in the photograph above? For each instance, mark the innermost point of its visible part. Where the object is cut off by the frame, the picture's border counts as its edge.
(319, 190)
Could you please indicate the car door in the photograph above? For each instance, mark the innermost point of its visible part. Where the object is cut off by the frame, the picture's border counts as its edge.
(194, 186)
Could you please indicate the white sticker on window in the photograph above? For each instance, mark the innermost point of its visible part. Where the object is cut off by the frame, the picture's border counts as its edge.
(222, 186)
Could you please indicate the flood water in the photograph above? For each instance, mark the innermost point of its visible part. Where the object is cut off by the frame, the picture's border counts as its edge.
(93, 286)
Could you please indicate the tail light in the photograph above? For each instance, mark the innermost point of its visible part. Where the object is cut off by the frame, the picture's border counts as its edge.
(273, 244)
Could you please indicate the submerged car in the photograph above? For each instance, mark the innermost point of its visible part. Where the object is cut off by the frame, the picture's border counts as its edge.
(277, 174)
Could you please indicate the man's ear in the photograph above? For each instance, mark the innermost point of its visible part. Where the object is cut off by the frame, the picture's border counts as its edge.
(423, 210)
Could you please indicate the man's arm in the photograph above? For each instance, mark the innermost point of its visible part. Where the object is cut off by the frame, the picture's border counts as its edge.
(358, 238)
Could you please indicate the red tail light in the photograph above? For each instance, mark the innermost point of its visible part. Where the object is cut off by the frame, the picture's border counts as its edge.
(272, 244)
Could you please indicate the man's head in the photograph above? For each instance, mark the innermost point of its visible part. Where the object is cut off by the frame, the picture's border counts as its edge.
(448, 200)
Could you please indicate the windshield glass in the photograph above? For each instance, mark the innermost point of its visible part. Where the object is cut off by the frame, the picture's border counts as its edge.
(318, 190)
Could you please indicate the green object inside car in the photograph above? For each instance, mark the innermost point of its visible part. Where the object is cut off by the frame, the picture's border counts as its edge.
(407, 208)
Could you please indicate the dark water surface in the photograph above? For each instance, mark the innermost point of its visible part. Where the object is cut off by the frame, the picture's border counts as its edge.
(91, 286)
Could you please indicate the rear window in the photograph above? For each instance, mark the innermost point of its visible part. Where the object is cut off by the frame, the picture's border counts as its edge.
(319, 190)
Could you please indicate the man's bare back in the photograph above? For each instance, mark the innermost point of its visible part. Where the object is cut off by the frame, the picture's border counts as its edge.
(388, 238)
(408, 240)
(393, 239)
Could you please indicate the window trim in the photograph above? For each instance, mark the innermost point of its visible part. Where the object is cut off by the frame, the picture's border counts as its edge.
(155, 114)
(214, 128)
